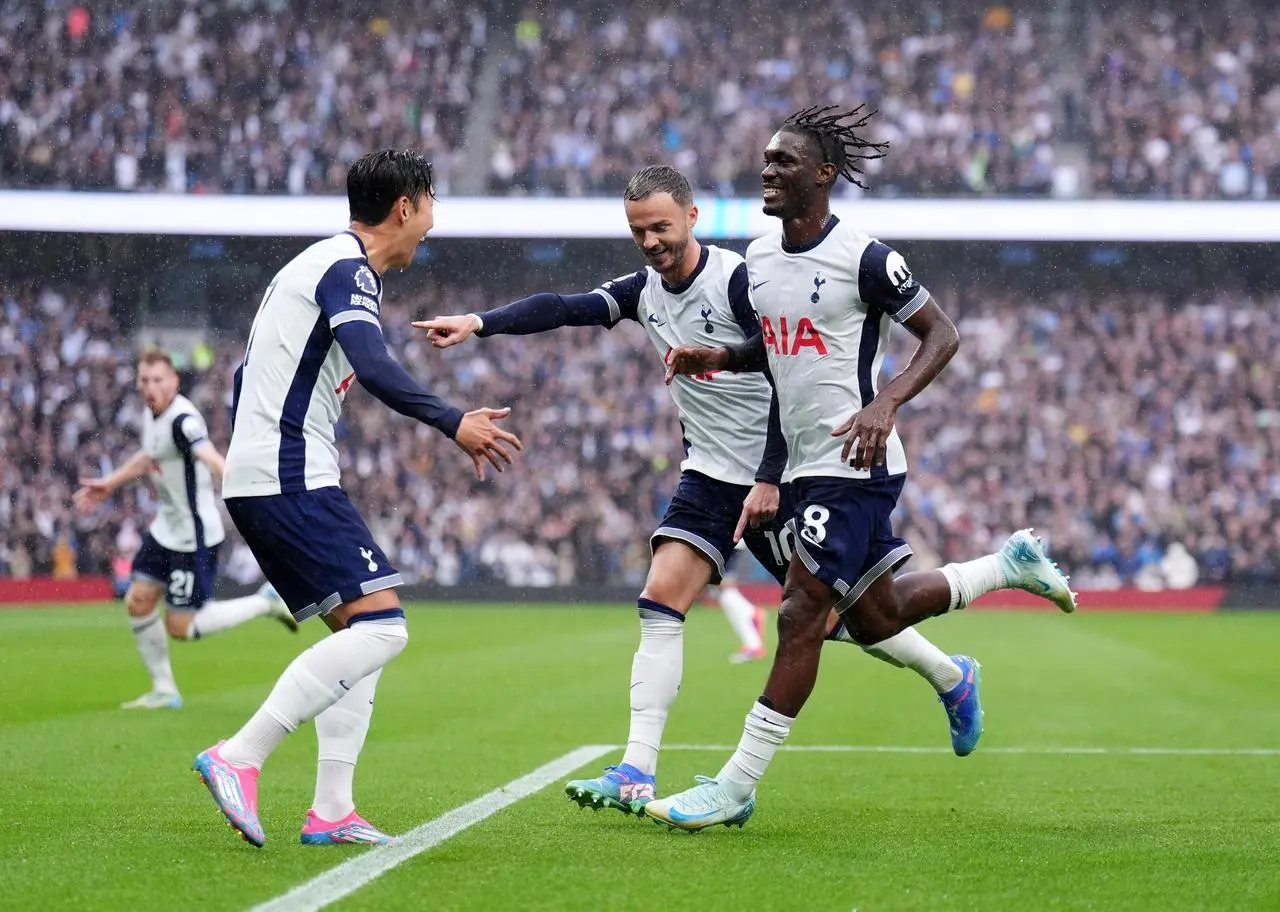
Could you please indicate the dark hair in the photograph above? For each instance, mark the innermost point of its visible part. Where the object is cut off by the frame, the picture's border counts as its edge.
(376, 180)
(659, 179)
(154, 356)
(839, 142)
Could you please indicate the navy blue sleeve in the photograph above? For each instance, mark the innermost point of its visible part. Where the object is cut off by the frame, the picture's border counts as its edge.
(740, 302)
(350, 291)
(885, 281)
(774, 460)
(623, 296)
(188, 433)
(386, 379)
(541, 312)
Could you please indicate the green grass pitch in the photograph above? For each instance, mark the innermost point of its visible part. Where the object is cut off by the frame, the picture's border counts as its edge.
(101, 811)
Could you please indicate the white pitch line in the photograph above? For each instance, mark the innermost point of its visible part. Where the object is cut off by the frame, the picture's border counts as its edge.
(344, 879)
(1063, 751)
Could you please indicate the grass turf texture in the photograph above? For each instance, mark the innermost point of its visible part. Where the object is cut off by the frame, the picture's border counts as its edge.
(102, 812)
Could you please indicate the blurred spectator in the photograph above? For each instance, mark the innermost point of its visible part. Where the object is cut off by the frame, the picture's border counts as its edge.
(1139, 433)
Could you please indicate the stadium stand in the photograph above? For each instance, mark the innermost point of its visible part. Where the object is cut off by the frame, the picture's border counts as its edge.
(1168, 100)
(1140, 432)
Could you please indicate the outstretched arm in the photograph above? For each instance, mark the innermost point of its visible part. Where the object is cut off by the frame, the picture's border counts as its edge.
(613, 301)
(534, 314)
(390, 383)
(94, 491)
(209, 455)
(349, 294)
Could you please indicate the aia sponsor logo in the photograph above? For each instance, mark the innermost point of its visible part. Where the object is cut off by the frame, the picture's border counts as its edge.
(791, 340)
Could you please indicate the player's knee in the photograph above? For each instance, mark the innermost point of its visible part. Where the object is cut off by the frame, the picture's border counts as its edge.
(869, 624)
(391, 634)
(800, 620)
(667, 594)
(139, 603)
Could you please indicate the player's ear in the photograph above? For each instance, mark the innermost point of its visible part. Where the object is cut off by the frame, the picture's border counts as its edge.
(826, 174)
(693, 216)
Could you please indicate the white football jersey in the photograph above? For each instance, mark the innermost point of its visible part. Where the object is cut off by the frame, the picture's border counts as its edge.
(724, 415)
(188, 518)
(290, 388)
(825, 313)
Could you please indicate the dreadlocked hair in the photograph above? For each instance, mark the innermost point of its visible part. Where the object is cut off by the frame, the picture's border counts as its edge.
(836, 133)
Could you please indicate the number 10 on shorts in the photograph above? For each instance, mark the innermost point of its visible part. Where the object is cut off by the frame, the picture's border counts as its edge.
(814, 530)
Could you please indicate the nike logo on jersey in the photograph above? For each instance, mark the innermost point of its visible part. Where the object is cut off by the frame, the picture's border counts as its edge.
(653, 318)
(758, 284)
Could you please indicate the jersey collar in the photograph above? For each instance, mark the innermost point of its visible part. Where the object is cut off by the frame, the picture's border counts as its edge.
(693, 276)
(805, 248)
(365, 253)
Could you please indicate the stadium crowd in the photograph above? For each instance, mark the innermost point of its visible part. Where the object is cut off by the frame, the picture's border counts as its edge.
(1140, 434)
(1170, 99)
(244, 96)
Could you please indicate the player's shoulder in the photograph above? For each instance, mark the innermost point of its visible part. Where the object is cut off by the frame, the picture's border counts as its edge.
(632, 282)
(723, 259)
(765, 244)
(849, 233)
(183, 406)
(727, 267)
(338, 258)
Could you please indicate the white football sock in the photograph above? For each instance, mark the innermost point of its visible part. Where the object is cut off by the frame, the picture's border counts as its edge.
(341, 730)
(153, 645)
(655, 680)
(223, 615)
(764, 731)
(312, 683)
(910, 649)
(742, 616)
(972, 579)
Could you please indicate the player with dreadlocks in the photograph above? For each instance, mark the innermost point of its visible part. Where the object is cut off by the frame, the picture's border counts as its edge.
(821, 290)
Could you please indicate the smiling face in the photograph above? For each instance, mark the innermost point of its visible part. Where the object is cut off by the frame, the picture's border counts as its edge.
(662, 229)
(795, 179)
(412, 224)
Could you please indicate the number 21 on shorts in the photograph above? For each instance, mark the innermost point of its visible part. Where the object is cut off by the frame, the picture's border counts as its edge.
(181, 584)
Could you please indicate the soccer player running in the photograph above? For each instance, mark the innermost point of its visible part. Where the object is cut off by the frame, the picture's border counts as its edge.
(178, 560)
(822, 291)
(692, 293)
(316, 330)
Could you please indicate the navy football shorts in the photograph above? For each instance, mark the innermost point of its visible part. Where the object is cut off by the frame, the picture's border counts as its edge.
(314, 548)
(187, 577)
(842, 533)
(703, 514)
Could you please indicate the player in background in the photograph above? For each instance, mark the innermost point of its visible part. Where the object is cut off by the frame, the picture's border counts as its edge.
(178, 559)
(735, 455)
(822, 291)
(317, 330)
(746, 618)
